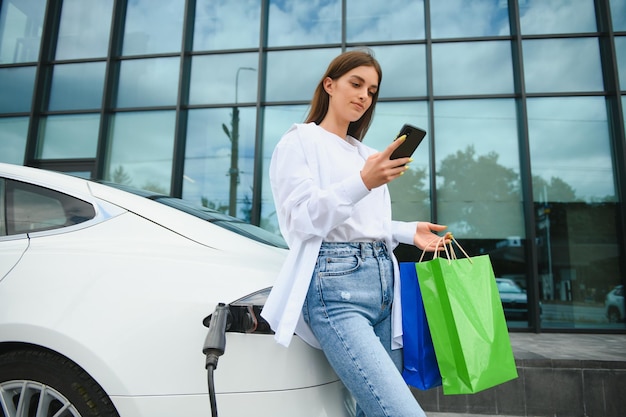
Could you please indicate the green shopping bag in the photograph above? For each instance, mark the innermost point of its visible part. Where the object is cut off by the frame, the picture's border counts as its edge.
(467, 323)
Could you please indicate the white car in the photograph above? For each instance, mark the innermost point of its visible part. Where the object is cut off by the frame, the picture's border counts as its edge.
(614, 304)
(103, 295)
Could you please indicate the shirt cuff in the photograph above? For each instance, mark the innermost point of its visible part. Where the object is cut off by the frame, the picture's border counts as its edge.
(354, 189)
(404, 232)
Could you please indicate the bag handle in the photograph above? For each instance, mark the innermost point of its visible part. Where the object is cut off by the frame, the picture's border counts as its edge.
(450, 253)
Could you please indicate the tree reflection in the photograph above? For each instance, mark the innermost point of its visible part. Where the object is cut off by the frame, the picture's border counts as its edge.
(481, 201)
(120, 176)
(475, 190)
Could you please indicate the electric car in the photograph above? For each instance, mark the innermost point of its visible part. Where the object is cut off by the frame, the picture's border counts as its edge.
(105, 295)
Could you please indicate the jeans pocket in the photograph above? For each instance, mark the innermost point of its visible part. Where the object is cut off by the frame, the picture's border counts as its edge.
(334, 265)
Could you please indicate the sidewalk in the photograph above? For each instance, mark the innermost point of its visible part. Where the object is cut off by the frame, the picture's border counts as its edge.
(560, 375)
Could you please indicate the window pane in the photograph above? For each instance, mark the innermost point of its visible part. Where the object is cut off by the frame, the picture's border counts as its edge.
(569, 140)
(77, 86)
(230, 78)
(13, 132)
(20, 31)
(277, 119)
(557, 16)
(478, 184)
(472, 68)
(618, 13)
(281, 67)
(141, 149)
(17, 86)
(303, 22)
(391, 20)
(148, 82)
(576, 208)
(460, 18)
(84, 29)
(620, 49)
(410, 194)
(68, 136)
(555, 65)
(209, 164)
(404, 70)
(153, 27)
(214, 28)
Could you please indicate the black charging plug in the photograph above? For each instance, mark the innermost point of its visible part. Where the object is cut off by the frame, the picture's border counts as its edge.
(215, 342)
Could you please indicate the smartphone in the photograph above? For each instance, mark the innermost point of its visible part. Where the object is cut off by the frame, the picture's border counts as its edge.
(414, 136)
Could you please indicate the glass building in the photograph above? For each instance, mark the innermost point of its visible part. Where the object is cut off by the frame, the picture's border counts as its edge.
(523, 101)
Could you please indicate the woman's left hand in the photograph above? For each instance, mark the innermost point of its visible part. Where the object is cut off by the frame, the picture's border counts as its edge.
(426, 238)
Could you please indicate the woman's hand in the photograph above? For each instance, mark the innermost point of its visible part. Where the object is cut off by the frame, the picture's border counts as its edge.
(379, 169)
(425, 237)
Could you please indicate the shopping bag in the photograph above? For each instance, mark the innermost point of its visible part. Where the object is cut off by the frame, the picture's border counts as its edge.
(466, 321)
(420, 363)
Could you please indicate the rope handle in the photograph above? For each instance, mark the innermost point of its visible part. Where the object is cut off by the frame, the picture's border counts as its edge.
(450, 253)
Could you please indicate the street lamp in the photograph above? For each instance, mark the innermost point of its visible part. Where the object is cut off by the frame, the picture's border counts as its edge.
(234, 142)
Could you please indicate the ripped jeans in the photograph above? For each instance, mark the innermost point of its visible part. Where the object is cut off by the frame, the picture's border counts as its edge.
(348, 307)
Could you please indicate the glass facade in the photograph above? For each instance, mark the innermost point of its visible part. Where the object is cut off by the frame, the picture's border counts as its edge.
(523, 102)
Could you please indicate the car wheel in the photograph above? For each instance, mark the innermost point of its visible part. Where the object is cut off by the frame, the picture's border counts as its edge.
(614, 315)
(39, 383)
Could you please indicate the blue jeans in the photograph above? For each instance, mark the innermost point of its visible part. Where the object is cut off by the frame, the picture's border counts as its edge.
(348, 307)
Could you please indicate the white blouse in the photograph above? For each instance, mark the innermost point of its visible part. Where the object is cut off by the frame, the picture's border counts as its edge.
(319, 196)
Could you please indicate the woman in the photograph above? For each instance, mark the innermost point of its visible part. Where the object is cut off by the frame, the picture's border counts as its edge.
(336, 289)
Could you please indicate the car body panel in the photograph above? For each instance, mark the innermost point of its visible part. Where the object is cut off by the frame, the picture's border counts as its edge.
(124, 296)
(12, 250)
(328, 400)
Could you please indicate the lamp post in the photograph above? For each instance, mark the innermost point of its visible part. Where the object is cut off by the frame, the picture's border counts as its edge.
(234, 154)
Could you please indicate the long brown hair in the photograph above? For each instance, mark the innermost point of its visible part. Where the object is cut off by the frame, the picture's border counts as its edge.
(342, 64)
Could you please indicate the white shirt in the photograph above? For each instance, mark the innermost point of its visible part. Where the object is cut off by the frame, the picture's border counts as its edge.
(320, 196)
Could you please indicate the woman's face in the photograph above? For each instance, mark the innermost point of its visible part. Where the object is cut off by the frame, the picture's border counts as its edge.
(351, 94)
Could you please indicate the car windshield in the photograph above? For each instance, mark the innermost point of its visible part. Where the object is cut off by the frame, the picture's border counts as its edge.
(220, 219)
(504, 286)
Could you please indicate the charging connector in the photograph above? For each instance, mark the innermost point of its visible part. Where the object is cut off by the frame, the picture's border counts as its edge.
(214, 347)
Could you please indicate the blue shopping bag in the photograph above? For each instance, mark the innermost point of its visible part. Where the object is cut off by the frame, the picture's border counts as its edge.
(420, 363)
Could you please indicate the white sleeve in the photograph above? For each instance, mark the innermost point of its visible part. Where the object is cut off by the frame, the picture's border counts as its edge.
(403, 232)
(304, 208)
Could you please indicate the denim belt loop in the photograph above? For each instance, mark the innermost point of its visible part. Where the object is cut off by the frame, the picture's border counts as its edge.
(362, 246)
(383, 247)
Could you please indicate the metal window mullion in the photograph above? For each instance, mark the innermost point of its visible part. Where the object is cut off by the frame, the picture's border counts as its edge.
(610, 74)
(43, 75)
(111, 77)
(431, 113)
(184, 75)
(257, 177)
(531, 255)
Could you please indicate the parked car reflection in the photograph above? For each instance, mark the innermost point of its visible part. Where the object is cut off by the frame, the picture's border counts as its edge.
(614, 304)
(514, 299)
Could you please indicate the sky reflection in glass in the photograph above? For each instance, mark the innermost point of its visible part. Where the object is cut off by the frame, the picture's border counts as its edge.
(304, 22)
(84, 29)
(461, 18)
(569, 140)
(226, 24)
(390, 20)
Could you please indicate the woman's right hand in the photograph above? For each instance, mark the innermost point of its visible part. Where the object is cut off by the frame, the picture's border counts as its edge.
(379, 169)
